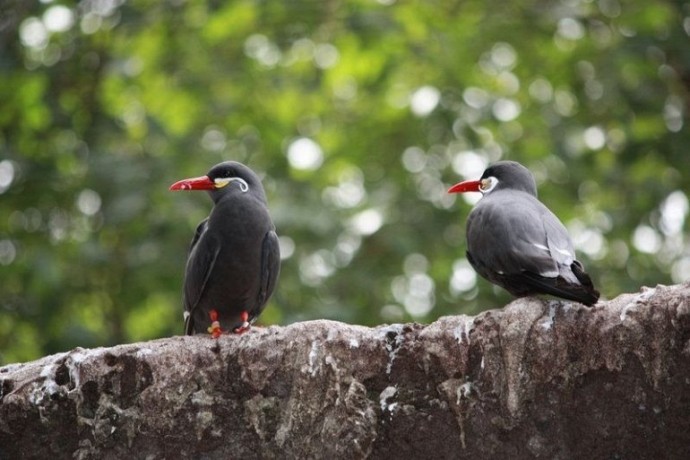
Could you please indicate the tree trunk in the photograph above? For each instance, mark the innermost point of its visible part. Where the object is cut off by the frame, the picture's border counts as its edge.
(536, 379)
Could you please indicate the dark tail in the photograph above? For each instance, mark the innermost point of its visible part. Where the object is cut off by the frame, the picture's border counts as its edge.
(559, 287)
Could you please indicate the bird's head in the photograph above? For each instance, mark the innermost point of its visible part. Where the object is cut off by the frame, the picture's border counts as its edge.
(224, 178)
(502, 175)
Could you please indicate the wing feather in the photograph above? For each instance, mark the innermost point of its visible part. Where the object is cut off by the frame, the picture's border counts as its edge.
(270, 268)
(203, 254)
(519, 244)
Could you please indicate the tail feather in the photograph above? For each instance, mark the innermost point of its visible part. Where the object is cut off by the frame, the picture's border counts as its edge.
(582, 277)
(584, 293)
(579, 289)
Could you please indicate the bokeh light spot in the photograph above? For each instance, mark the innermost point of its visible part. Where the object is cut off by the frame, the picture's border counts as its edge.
(33, 33)
(58, 18)
(424, 100)
(305, 154)
(287, 247)
(463, 278)
(6, 175)
(506, 109)
(674, 210)
(8, 252)
(594, 138)
(570, 29)
(646, 239)
(367, 222)
(89, 202)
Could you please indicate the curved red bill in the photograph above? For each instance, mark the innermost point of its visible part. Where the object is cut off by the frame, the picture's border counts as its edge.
(466, 186)
(195, 183)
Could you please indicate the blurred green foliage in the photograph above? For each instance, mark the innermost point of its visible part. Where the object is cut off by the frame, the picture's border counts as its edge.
(358, 114)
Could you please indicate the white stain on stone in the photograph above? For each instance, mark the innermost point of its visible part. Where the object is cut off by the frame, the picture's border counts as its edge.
(386, 394)
(392, 347)
(547, 324)
(462, 332)
(645, 295)
(143, 352)
(313, 356)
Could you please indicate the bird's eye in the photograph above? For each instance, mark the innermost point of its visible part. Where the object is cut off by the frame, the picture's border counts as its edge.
(221, 182)
(488, 184)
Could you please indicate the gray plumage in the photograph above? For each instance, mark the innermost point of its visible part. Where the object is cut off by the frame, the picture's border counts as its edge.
(234, 257)
(516, 242)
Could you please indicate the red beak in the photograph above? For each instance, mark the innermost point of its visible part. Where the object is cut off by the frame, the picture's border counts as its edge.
(195, 183)
(466, 186)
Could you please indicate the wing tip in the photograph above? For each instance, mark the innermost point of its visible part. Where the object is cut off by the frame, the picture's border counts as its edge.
(529, 283)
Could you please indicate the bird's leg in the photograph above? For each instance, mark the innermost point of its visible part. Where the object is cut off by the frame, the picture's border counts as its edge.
(244, 316)
(214, 329)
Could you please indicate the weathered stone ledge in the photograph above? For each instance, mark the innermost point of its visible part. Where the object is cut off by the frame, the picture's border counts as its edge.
(536, 379)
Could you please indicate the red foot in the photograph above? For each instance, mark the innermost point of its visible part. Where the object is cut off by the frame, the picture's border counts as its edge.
(214, 329)
(244, 316)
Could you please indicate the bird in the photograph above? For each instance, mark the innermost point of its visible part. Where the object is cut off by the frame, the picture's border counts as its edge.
(516, 242)
(233, 261)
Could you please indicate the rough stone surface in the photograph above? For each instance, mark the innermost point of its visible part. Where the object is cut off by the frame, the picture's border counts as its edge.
(536, 379)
